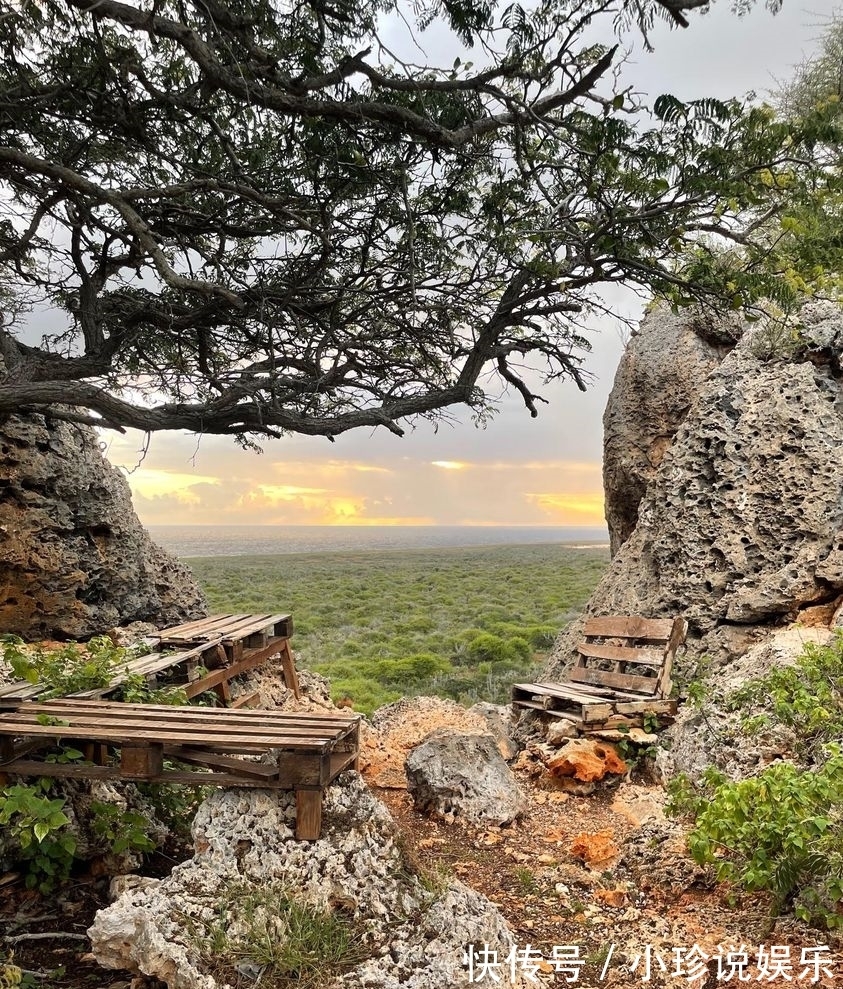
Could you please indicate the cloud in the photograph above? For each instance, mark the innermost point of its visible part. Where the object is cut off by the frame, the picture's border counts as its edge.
(150, 482)
(562, 508)
(450, 464)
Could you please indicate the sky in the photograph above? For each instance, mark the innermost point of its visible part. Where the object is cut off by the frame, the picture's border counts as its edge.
(513, 471)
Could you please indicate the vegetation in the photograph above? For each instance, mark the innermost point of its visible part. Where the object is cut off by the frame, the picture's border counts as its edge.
(806, 697)
(462, 623)
(255, 219)
(781, 831)
(34, 813)
(283, 940)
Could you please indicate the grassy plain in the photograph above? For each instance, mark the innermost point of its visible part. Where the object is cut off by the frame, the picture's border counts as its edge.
(461, 623)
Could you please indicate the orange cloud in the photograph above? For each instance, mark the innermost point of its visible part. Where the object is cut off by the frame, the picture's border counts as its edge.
(571, 509)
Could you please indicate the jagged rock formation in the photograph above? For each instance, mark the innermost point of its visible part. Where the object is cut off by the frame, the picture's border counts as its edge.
(455, 775)
(406, 936)
(74, 559)
(657, 382)
(742, 524)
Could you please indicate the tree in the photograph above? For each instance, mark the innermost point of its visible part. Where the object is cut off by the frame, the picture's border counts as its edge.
(256, 218)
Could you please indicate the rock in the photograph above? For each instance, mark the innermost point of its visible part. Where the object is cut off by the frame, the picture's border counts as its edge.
(594, 847)
(742, 524)
(657, 382)
(498, 718)
(451, 774)
(714, 736)
(587, 760)
(74, 559)
(409, 937)
(559, 731)
(657, 857)
(399, 727)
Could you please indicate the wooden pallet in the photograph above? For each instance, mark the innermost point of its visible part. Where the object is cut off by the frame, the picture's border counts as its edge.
(621, 674)
(197, 656)
(215, 746)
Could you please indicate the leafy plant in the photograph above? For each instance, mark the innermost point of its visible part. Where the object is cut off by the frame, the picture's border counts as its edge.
(124, 830)
(807, 697)
(38, 824)
(68, 669)
(779, 832)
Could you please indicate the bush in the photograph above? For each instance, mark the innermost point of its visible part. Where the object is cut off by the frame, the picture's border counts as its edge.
(807, 697)
(779, 832)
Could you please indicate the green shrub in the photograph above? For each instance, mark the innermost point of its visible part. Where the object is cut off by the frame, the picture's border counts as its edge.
(37, 823)
(807, 697)
(779, 832)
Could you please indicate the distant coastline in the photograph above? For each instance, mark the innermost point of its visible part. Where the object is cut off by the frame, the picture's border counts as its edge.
(249, 540)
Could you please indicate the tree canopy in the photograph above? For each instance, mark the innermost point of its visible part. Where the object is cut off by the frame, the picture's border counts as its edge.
(258, 218)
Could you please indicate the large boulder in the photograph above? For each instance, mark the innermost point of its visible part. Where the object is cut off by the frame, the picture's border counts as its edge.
(455, 775)
(741, 526)
(657, 382)
(74, 559)
(193, 929)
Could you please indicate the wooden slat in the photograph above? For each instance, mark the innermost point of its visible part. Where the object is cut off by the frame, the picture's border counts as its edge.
(623, 681)
(226, 763)
(186, 630)
(623, 654)
(629, 627)
(118, 710)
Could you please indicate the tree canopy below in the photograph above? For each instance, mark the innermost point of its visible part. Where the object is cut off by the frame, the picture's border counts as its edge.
(256, 218)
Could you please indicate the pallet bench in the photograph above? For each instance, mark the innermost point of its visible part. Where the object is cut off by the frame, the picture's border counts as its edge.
(622, 673)
(197, 656)
(213, 746)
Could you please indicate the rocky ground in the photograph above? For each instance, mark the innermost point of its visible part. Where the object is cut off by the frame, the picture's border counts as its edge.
(590, 881)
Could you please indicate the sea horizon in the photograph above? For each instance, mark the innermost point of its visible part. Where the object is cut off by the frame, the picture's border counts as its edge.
(227, 539)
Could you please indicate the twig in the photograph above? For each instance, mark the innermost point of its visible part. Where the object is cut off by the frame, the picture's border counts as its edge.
(45, 936)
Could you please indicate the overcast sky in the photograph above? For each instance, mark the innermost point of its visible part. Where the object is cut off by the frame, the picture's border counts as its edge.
(517, 470)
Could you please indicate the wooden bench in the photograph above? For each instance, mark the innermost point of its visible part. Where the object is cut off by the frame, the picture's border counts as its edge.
(622, 672)
(132, 741)
(196, 656)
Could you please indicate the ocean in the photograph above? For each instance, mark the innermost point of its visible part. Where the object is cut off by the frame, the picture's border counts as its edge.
(272, 540)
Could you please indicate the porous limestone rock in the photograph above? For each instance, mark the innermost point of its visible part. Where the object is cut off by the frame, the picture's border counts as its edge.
(712, 735)
(74, 559)
(498, 718)
(456, 775)
(587, 760)
(412, 937)
(657, 381)
(742, 524)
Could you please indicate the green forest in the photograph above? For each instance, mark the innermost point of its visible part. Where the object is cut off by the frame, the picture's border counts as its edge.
(459, 623)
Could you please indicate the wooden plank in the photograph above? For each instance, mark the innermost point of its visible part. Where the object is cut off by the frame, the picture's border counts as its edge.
(255, 722)
(623, 681)
(257, 624)
(24, 767)
(288, 665)
(654, 706)
(200, 626)
(629, 627)
(245, 700)
(623, 654)
(63, 706)
(230, 740)
(308, 814)
(227, 763)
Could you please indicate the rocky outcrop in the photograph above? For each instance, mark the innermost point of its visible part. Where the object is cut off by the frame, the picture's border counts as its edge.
(658, 380)
(74, 559)
(455, 775)
(193, 929)
(713, 734)
(742, 524)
